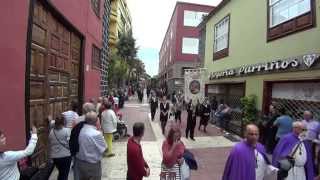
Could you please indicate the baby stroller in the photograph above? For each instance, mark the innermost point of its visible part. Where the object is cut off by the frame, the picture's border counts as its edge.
(122, 129)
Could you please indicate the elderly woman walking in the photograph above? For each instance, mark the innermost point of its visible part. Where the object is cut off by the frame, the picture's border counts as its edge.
(59, 147)
(109, 126)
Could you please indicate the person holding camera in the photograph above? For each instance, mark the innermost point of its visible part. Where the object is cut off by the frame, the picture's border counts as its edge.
(172, 151)
(9, 159)
(293, 155)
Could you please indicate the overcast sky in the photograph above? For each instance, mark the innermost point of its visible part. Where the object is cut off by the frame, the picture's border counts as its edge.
(150, 19)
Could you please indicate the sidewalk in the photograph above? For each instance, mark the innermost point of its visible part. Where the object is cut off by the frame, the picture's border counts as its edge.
(210, 149)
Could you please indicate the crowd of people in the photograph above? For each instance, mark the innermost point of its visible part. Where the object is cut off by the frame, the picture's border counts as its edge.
(281, 145)
(204, 112)
(79, 140)
(288, 149)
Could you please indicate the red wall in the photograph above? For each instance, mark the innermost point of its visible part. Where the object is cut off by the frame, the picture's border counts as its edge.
(13, 22)
(14, 16)
(183, 31)
(179, 31)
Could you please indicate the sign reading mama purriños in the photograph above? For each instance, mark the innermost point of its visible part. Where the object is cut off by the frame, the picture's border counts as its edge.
(297, 63)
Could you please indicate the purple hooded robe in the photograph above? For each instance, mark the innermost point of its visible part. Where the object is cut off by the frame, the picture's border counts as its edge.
(285, 147)
(241, 163)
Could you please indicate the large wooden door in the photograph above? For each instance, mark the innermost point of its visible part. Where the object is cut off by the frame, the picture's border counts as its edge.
(54, 73)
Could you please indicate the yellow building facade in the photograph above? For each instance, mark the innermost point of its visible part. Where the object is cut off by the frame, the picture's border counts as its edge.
(120, 21)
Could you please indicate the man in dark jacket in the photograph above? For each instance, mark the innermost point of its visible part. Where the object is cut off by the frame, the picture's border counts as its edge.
(205, 115)
(153, 105)
(191, 120)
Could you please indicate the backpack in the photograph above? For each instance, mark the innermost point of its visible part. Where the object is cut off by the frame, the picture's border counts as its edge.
(74, 138)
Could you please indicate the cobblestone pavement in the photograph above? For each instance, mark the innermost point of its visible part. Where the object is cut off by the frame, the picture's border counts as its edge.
(210, 149)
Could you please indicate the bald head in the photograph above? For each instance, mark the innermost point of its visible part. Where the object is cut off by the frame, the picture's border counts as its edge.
(91, 118)
(251, 127)
(252, 134)
(307, 115)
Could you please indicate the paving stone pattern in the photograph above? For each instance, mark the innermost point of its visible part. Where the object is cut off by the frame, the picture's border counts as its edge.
(210, 149)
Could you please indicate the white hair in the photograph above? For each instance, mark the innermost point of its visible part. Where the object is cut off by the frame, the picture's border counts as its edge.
(298, 124)
(88, 107)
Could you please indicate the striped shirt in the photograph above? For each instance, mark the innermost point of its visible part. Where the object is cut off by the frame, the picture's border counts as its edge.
(70, 117)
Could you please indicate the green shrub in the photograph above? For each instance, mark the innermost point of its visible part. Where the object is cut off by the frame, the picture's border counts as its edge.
(249, 110)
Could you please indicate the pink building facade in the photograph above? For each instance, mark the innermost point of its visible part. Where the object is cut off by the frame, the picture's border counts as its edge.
(180, 45)
(50, 52)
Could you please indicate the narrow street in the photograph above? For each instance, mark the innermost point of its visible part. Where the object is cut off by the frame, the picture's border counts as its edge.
(210, 149)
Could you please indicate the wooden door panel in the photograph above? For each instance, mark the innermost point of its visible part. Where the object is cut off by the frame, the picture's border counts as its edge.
(37, 90)
(37, 65)
(54, 73)
(39, 35)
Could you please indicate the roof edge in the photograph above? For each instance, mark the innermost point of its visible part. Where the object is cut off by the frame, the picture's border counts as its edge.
(213, 12)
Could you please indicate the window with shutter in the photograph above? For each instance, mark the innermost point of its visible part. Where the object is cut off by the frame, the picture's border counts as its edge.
(96, 57)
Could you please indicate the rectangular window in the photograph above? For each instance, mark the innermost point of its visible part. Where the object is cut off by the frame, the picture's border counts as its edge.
(95, 5)
(193, 18)
(96, 57)
(284, 10)
(221, 35)
(190, 45)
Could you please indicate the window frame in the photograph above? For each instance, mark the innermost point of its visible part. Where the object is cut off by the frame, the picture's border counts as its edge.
(187, 37)
(223, 52)
(194, 26)
(270, 14)
(297, 24)
(94, 63)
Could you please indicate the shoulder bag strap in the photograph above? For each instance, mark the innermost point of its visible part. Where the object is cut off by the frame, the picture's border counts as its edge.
(60, 141)
(295, 149)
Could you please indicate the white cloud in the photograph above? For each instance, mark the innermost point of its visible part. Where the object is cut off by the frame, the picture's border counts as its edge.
(150, 19)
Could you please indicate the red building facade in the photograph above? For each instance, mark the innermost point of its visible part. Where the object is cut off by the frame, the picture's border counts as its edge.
(51, 55)
(180, 46)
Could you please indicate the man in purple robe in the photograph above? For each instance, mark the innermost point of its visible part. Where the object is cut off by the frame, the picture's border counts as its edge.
(293, 145)
(247, 159)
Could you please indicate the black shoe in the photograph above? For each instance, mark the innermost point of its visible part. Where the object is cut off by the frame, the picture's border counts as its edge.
(192, 139)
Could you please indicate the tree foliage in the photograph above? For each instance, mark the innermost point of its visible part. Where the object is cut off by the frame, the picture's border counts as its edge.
(126, 46)
(124, 63)
(117, 71)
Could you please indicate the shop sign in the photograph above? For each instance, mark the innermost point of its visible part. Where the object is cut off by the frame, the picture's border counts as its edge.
(297, 63)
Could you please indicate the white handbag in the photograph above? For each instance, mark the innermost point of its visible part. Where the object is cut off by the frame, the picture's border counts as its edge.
(185, 171)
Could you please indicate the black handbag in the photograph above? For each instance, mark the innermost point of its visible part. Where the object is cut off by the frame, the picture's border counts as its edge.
(286, 163)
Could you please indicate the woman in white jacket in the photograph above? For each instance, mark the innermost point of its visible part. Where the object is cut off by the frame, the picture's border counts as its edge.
(8, 159)
(109, 126)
